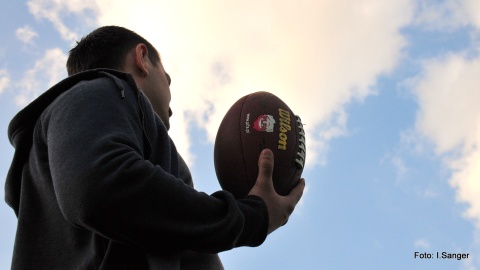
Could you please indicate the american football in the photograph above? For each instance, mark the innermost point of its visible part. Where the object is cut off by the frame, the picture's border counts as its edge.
(257, 121)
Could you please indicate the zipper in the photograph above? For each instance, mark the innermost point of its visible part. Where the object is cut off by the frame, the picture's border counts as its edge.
(144, 125)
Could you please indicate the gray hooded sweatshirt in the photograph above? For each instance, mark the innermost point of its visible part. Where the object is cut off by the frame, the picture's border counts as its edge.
(96, 183)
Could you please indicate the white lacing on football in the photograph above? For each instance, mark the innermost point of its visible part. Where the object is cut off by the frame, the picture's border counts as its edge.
(300, 160)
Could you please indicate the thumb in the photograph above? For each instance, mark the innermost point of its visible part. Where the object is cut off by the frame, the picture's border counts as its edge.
(265, 164)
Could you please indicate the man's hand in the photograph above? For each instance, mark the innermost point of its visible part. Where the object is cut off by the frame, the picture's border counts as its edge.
(279, 207)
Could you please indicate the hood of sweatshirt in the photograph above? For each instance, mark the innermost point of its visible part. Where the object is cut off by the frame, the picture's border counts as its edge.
(21, 128)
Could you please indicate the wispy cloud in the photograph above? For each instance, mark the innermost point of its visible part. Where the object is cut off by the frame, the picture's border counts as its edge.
(45, 73)
(26, 34)
(400, 166)
(4, 80)
(448, 15)
(442, 15)
(60, 13)
(422, 244)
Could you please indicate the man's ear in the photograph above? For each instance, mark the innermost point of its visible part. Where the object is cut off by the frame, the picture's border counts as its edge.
(142, 61)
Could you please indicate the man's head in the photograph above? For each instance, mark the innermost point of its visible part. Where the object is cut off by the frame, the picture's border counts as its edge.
(118, 48)
(106, 47)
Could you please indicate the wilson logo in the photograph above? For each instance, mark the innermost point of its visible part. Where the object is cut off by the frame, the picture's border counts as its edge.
(284, 128)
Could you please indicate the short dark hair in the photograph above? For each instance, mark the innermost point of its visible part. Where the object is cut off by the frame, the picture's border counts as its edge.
(106, 47)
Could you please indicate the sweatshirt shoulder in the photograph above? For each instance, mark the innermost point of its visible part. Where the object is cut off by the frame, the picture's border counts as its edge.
(96, 88)
(84, 84)
(96, 94)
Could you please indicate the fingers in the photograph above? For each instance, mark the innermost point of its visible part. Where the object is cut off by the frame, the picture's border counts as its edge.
(279, 207)
(297, 192)
(265, 164)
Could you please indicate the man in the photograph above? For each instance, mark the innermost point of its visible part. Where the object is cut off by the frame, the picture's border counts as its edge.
(96, 182)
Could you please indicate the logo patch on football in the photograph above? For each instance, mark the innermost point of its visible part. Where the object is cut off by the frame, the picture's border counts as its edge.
(265, 123)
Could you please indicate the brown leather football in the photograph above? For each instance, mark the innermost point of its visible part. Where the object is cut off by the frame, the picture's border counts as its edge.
(257, 121)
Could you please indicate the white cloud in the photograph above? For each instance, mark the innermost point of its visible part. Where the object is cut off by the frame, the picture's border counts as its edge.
(448, 95)
(58, 12)
(448, 15)
(442, 15)
(400, 166)
(422, 243)
(316, 55)
(46, 72)
(466, 180)
(449, 115)
(472, 7)
(4, 80)
(26, 34)
(219, 51)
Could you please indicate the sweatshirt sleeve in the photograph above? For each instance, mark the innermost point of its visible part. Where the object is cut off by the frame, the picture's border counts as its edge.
(103, 184)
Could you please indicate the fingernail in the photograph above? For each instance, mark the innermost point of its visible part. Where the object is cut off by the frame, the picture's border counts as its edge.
(267, 152)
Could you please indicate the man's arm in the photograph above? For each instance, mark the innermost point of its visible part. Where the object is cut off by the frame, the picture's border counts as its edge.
(104, 184)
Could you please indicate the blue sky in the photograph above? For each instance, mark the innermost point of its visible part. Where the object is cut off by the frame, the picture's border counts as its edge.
(388, 91)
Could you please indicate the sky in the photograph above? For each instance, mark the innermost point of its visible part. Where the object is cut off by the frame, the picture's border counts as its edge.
(388, 92)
